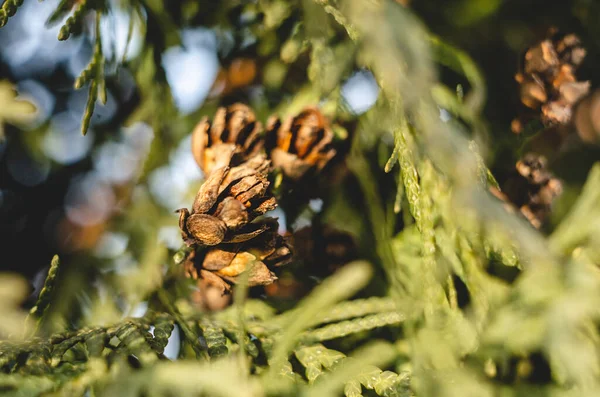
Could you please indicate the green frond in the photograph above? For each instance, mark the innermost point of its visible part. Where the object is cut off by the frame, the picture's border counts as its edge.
(344, 328)
(45, 296)
(73, 24)
(9, 8)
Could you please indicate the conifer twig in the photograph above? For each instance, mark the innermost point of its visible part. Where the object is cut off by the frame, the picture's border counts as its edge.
(46, 293)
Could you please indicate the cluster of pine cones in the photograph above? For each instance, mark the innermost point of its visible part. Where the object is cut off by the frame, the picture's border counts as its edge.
(225, 226)
(551, 91)
(532, 190)
(548, 81)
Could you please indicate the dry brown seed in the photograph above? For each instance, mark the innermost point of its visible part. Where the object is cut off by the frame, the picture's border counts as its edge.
(257, 165)
(214, 280)
(241, 122)
(566, 74)
(556, 112)
(240, 262)
(248, 232)
(541, 57)
(233, 213)
(516, 126)
(233, 129)
(206, 229)
(577, 56)
(255, 191)
(217, 259)
(183, 216)
(533, 94)
(259, 274)
(318, 157)
(587, 118)
(290, 164)
(232, 124)
(572, 92)
(213, 292)
(244, 185)
(209, 191)
(200, 142)
(267, 205)
(189, 266)
(281, 256)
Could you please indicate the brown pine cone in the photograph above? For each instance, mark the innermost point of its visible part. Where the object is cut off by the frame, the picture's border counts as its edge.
(226, 204)
(548, 81)
(323, 249)
(231, 138)
(219, 266)
(587, 118)
(300, 144)
(534, 189)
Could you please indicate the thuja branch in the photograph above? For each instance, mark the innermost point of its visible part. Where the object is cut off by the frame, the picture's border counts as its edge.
(46, 293)
(9, 8)
(94, 74)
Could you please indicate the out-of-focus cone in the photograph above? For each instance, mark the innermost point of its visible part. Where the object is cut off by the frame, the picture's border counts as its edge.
(587, 118)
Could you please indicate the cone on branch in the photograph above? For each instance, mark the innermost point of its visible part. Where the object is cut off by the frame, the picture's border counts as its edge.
(320, 250)
(216, 268)
(225, 224)
(300, 145)
(533, 190)
(323, 249)
(232, 137)
(548, 81)
(226, 204)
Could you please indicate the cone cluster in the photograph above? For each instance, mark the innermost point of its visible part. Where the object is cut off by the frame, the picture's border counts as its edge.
(549, 87)
(548, 81)
(225, 225)
(533, 190)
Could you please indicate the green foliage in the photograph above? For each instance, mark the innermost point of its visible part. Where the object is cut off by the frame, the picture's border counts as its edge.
(458, 297)
(9, 8)
(45, 297)
(12, 110)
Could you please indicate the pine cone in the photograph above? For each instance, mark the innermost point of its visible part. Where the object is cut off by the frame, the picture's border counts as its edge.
(232, 137)
(221, 265)
(587, 118)
(226, 204)
(534, 189)
(548, 82)
(212, 291)
(321, 250)
(223, 214)
(300, 144)
(324, 249)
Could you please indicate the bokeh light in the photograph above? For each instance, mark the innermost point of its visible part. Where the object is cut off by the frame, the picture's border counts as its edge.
(192, 68)
(89, 200)
(63, 143)
(360, 91)
(30, 47)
